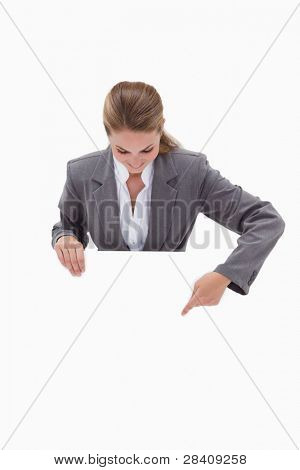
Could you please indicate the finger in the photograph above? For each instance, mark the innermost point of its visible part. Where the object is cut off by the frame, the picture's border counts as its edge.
(68, 261)
(60, 256)
(189, 306)
(80, 258)
(194, 301)
(74, 261)
(185, 310)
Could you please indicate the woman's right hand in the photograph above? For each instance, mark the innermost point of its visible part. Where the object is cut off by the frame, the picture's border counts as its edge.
(70, 253)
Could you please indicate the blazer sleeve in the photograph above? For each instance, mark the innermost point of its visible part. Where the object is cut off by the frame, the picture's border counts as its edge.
(256, 221)
(73, 219)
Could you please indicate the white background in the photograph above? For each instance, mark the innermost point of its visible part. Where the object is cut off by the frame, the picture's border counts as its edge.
(140, 376)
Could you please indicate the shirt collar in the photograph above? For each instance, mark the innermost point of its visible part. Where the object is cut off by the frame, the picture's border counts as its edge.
(123, 173)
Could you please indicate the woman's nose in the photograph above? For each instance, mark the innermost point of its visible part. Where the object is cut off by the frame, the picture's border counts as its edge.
(136, 163)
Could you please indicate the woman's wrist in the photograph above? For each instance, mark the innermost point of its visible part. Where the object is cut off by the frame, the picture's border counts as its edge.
(224, 279)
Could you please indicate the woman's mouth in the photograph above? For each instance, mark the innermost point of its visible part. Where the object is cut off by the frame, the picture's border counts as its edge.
(135, 167)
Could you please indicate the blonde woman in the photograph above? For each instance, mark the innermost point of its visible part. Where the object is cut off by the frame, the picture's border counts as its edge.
(144, 192)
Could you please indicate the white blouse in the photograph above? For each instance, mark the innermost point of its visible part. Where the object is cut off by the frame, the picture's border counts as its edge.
(134, 227)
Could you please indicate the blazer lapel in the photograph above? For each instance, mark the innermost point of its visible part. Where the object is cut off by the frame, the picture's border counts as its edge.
(106, 198)
(163, 196)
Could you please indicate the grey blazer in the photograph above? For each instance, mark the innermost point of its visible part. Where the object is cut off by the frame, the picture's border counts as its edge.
(184, 184)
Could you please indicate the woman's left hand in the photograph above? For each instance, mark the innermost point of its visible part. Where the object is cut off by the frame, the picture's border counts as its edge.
(208, 290)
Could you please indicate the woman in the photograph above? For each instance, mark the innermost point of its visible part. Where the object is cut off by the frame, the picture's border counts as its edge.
(144, 192)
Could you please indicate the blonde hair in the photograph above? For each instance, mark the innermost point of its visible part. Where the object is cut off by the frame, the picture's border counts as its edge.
(137, 106)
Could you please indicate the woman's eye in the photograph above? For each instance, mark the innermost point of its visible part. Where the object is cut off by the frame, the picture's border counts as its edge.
(144, 151)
